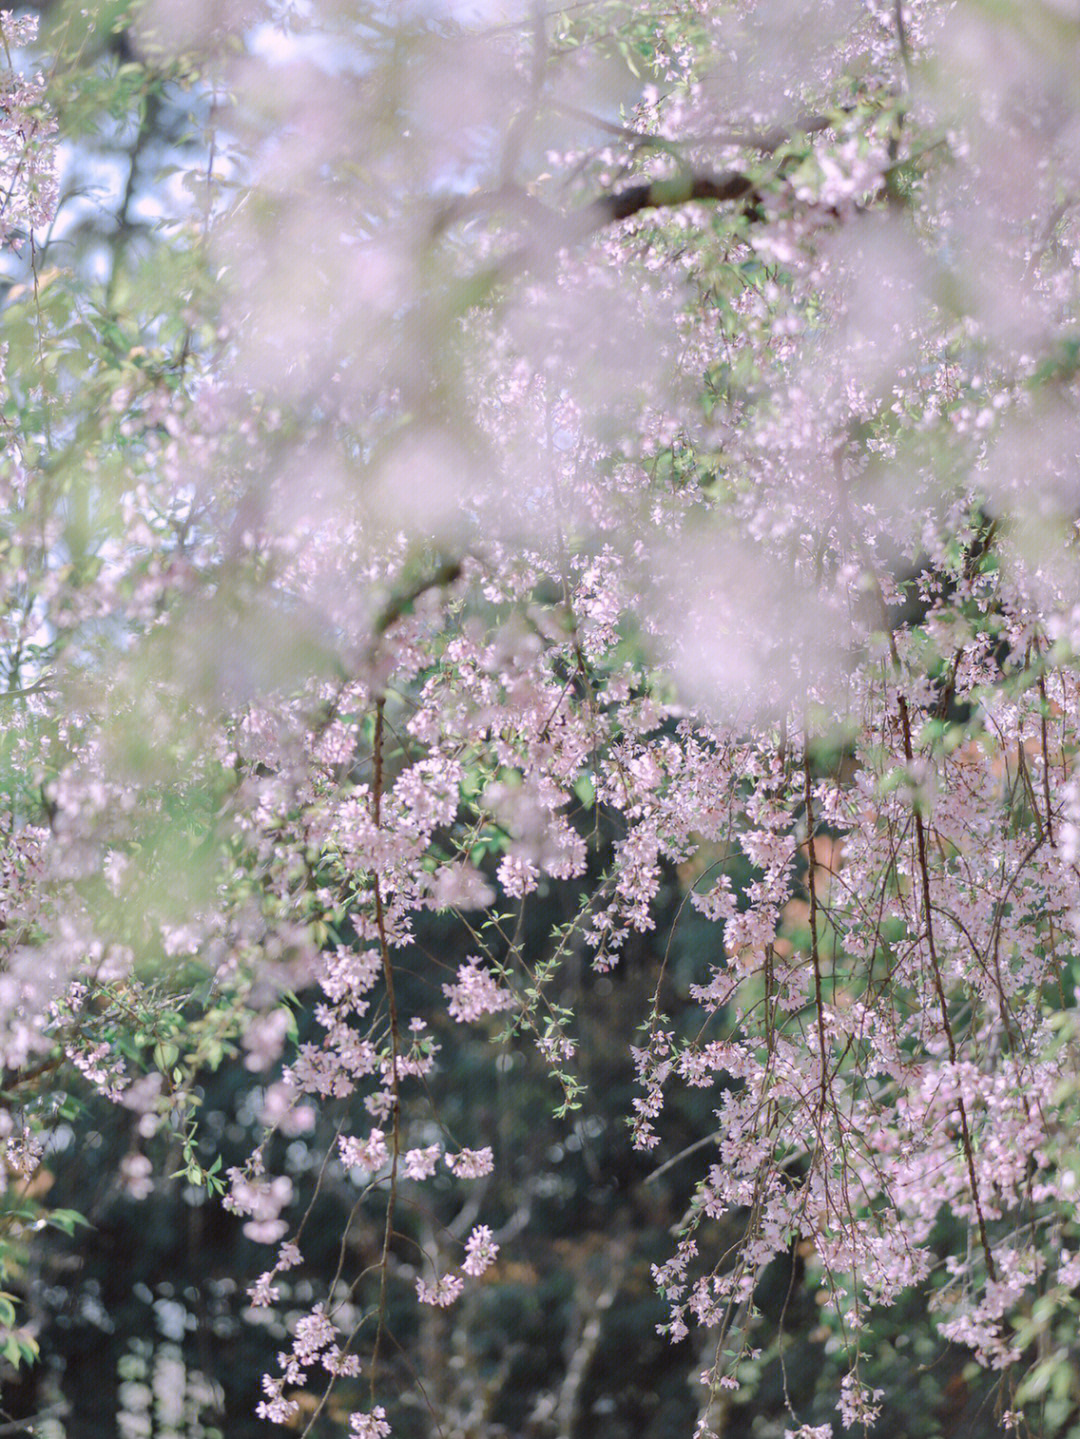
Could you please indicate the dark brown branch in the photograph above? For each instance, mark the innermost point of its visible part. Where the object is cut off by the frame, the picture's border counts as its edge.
(18, 694)
(935, 966)
(1045, 747)
(395, 1044)
(553, 231)
(815, 953)
(682, 190)
(550, 231)
(399, 605)
(943, 1006)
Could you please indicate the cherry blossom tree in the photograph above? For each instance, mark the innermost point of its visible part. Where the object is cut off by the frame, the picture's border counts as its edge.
(516, 450)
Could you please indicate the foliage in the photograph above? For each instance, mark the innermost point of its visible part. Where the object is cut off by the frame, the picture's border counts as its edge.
(581, 556)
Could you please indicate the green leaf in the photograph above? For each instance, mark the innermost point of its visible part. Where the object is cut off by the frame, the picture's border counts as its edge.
(68, 1220)
(165, 1056)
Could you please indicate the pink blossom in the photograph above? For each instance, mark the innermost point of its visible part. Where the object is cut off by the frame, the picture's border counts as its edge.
(263, 1293)
(421, 1163)
(288, 1255)
(480, 1251)
(442, 1293)
(476, 993)
(369, 1155)
(470, 1163)
(372, 1425)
